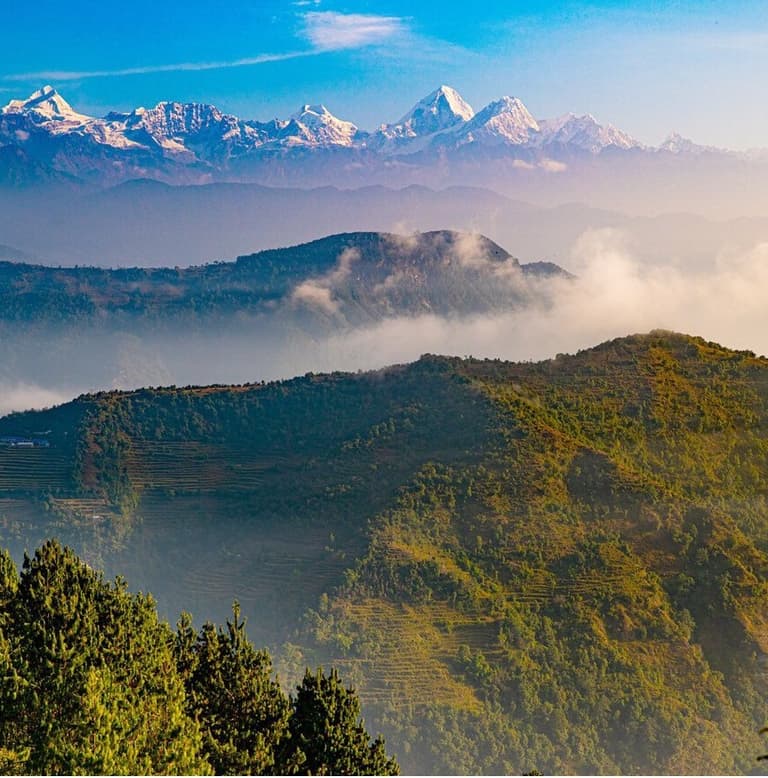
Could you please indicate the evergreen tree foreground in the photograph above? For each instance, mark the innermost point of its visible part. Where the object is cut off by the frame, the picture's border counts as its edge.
(92, 682)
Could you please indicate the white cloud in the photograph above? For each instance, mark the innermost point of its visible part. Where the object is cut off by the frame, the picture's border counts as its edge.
(24, 397)
(552, 166)
(614, 295)
(318, 292)
(325, 31)
(314, 295)
(330, 30)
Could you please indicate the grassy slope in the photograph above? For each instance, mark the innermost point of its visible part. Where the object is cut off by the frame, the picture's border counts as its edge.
(557, 565)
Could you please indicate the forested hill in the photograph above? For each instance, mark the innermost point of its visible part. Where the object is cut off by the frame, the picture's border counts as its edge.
(355, 277)
(559, 566)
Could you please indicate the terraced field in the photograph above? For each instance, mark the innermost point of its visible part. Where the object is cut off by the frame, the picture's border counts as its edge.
(490, 553)
(413, 651)
(219, 551)
(26, 469)
(194, 466)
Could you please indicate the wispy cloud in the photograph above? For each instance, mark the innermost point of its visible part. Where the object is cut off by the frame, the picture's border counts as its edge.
(329, 30)
(324, 30)
(74, 75)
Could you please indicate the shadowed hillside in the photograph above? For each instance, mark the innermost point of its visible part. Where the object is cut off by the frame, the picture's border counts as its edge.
(559, 566)
(352, 278)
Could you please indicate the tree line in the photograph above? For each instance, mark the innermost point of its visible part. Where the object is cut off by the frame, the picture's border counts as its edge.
(93, 682)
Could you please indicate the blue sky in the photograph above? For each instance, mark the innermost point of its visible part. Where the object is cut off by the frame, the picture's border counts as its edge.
(648, 67)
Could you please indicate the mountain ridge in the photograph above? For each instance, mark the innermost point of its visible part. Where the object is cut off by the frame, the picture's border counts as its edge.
(492, 552)
(442, 271)
(197, 141)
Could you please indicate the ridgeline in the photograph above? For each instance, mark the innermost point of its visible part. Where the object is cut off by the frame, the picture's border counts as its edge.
(558, 566)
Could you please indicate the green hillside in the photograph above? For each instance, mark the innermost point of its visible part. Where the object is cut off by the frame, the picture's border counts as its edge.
(558, 566)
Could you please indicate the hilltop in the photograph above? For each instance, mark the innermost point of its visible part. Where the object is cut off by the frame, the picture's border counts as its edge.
(362, 276)
(558, 566)
(72, 328)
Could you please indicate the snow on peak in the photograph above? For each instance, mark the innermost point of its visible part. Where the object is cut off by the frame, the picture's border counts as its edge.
(677, 144)
(506, 120)
(318, 126)
(169, 119)
(317, 110)
(440, 110)
(585, 133)
(46, 103)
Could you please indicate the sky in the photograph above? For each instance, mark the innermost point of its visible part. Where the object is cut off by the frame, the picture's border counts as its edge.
(698, 68)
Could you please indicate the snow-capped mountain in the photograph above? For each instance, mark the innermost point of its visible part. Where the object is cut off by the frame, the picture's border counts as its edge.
(503, 122)
(47, 106)
(440, 111)
(196, 142)
(318, 126)
(584, 133)
(677, 144)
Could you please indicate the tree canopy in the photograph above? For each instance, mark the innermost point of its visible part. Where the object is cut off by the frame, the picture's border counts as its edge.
(92, 682)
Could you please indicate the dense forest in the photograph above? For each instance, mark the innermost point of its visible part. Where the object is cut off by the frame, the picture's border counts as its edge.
(92, 682)
(557, 566)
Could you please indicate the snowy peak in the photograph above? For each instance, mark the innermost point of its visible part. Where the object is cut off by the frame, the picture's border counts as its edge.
(318, 126)
(446, 95)
(171, 119)
(584, 133)
(46, 104)
(677, 144)
(442, 109)
(504, 121)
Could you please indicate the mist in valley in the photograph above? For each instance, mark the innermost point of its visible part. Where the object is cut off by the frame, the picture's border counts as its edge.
(613, 293)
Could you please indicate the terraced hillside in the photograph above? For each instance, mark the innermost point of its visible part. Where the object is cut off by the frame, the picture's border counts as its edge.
(559, 566)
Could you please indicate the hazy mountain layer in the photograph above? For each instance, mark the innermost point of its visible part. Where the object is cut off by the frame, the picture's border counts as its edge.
(558, 566)
(150, 224)
(83, 327)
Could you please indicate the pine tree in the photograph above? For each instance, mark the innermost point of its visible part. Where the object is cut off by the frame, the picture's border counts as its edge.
(243, 712)
(327, 733)
(89, 682)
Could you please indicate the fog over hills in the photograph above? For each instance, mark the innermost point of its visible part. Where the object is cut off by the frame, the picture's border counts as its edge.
(266, 315)
(464, 401)
(355, 301)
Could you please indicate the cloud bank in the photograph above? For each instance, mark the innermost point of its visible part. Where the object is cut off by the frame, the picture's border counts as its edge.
(331, 31)
(613, 295)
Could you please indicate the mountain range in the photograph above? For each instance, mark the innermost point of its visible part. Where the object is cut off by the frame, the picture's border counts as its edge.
(197, 142)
